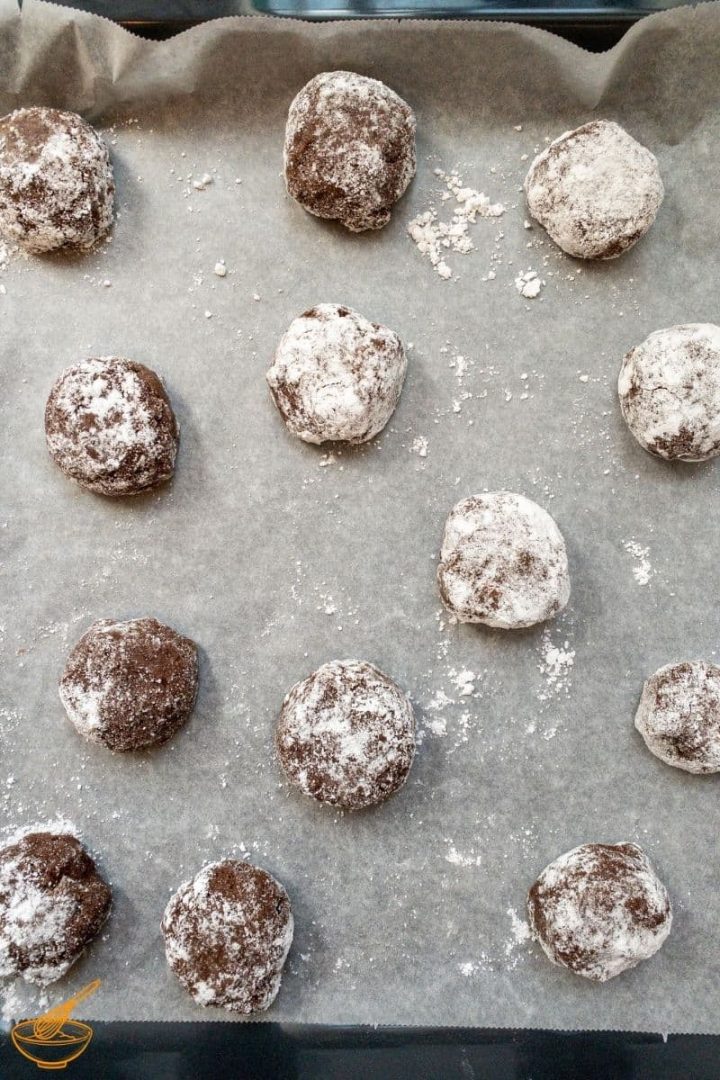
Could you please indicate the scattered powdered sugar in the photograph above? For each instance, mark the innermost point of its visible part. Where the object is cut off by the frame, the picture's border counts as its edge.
(457, 858)
(419, 446)
(642, 571)
(556, 664)
(436, 238)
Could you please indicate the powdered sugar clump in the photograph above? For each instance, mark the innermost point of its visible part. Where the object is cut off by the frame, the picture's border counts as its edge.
(435, 238)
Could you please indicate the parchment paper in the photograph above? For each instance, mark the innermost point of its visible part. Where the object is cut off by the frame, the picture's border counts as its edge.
(275, 556)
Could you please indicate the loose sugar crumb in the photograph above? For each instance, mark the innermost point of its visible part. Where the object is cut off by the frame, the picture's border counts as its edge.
(642, 571)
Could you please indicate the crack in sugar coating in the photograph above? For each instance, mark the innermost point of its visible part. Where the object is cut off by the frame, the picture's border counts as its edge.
(109, 426)
(502, 562)
(336, 377)
(227, 935)
(128, 685)
(596, 190)
(53, 903)
(349, 149)
(346, 735)
(599, 910)
(669, 389)
(56, 181)
(679, 716)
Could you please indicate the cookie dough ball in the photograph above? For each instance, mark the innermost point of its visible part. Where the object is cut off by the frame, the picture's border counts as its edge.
(56, 181)
(53, 903)
(227, 934)
(128, 685)
(596, 190)
(669, 391)
(599, 910)
(337, 377)
(502, 562)
(349, 149)
(109, 426)
(679, 716)
(346, 735)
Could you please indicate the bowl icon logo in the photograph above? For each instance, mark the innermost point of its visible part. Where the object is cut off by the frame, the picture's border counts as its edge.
(53, 1039)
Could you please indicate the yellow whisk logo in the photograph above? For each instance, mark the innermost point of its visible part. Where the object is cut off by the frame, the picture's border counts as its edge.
(53, 1039)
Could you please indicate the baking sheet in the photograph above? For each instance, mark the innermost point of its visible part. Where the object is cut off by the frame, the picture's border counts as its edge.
(276, 556)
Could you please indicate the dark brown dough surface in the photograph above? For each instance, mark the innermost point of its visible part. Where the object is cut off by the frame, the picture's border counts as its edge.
(109, 426)
(349, 149)
(56, 181)
(599, 910)
(53, 903)
(227, 934)
(346, 735)
(128, 685)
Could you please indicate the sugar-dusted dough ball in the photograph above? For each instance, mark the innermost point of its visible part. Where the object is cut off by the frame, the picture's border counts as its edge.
(227, 934)
(595, 189)
(53, 903)
(346, 735)
(337, 377)
(349, 149)
(503, 562)
(679, 716)
(669, 388)
(128, 685)
(599, 910)
(56, 181)
(109, 426)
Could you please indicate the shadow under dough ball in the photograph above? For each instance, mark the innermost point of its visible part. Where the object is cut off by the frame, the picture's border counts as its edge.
(336, 377)
(349, 149)
(56, 181)
(599, 910)
(110, 427)
(669, 389)
(346, 735)
(595, 190)
(679, 716)
(227, 935)
(128, 685)
(502, 562)
(53, 903)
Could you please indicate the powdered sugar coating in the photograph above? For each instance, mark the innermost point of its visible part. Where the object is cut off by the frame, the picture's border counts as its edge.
(53, 903)
(346, 735)
(679, 716)
(669, 388)
(599, 910)
(503, 562)
(336, 376)
(56, 181)
(595, 189)
(349, 149)
(128, 685)
(109, 426)
(227, 935)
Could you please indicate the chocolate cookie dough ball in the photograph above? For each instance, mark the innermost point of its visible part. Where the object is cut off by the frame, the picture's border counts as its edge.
(109, 426)
(53, 903)
(336, 376)
(346, 735)
(502, 562)
(595, 189)
(227, 934)
(349, 149)
(128, 685)
(56, 182)
(599, 910)
(669, 390)
(679, 716)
